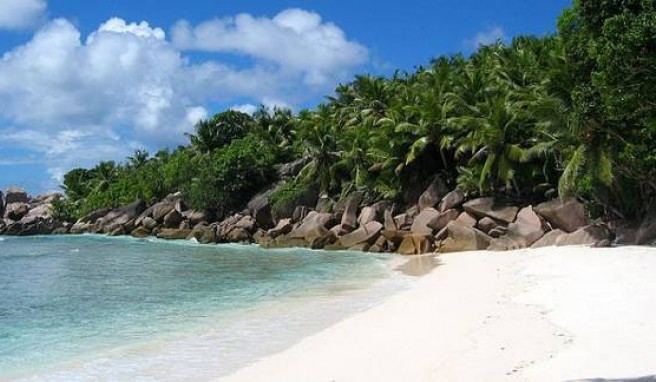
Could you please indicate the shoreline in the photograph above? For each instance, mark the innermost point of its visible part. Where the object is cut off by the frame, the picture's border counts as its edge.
(529, 315)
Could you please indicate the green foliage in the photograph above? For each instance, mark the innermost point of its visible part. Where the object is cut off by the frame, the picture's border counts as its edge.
(227, 179)
(574, 112)
(290, 193)
(62, 210)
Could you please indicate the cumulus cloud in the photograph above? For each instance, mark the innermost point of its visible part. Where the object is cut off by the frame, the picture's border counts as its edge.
(296, 40)
(77, 99)
(21, 14)
(487, 37)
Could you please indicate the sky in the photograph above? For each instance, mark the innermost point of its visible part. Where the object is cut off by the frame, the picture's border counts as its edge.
(83, 81)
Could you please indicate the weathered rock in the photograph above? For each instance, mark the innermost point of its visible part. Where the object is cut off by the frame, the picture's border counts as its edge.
(395, 236)
(149, 223)
(118, 231)
(403, 221)
(307, 197)
(367, 233)
(416, 244)
(390, 223)
(498, 232)
(466, 219)
(2, 205)
(483, 207)
(324, 204)
(172, 219)
(438, 223)
(16, 195)
(239, 235)
(291, 169)
(80, 227)
(208, 234)
(549, 239)
(433, 194)
(161, 209)
(122, 216)
(646, 232)
(464, 238)
(16, 211)
(173, 234)
(41, 211)
(141, 232)
(422, 221)
(452, 200)
(586, 236)
(247, 223)
(487, 224)
(260, 209)
(95, 215)
(567, 215)
(300, 212)
(350, 216)
(283, 227)
(314, 225)
(195, 217)
(527, 227)
(367, 215)
(321, 242)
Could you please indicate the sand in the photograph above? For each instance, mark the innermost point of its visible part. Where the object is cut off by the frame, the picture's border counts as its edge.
(554, 314)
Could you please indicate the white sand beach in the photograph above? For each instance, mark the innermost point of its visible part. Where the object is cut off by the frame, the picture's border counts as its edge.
(554, 314)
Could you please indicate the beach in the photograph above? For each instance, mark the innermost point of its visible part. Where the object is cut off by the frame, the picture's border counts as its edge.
(553, 314)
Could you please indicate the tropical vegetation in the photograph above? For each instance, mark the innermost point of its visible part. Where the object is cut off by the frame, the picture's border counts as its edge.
(572, 114)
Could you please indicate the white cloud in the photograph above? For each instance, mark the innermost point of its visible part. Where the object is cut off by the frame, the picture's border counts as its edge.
(245, 108)
(297, 41)
(487, 37)
(21, 14)
(75, 100)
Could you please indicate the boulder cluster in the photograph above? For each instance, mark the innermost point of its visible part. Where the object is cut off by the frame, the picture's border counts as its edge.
(24, 216)
(442, 220)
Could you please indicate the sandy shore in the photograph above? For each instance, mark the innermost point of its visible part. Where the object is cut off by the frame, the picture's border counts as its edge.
(555, 314)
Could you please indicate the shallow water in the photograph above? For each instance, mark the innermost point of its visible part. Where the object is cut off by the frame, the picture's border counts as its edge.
(97, 308)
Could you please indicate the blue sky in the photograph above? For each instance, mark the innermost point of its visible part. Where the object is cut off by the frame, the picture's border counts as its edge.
(82, 81)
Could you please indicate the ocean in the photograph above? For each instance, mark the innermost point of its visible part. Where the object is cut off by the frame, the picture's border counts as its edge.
(94, 308)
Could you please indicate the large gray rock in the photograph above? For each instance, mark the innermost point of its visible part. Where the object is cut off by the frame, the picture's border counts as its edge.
(586, 236)
(567, 215)
(172, 219)
(422, 221)
(283, 227)
(350, 215)
(443, 219)
(161, 209)
(550, 239)
(313, 226)
(260, 209)
(646, 233)
(2, 205)
(173, 234)
(525, 231)
(365, 234)
(464, 238)
(390, 223)
(433, 194)
(483, 207)
(453, 199)
(467, 219)
(123, 216)
(16, 211)
(16, 195)
(415, 244)
(195, 217)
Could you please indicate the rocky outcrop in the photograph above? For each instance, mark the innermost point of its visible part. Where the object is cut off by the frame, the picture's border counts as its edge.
(487, 207)
(461, 237)
(16, 195)
(433, 194)
(567, 215)
(350, 216)
(313, 226)
(452, 200)
(367, 233)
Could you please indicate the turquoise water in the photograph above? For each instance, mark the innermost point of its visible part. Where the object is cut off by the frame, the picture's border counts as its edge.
(97, 308)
